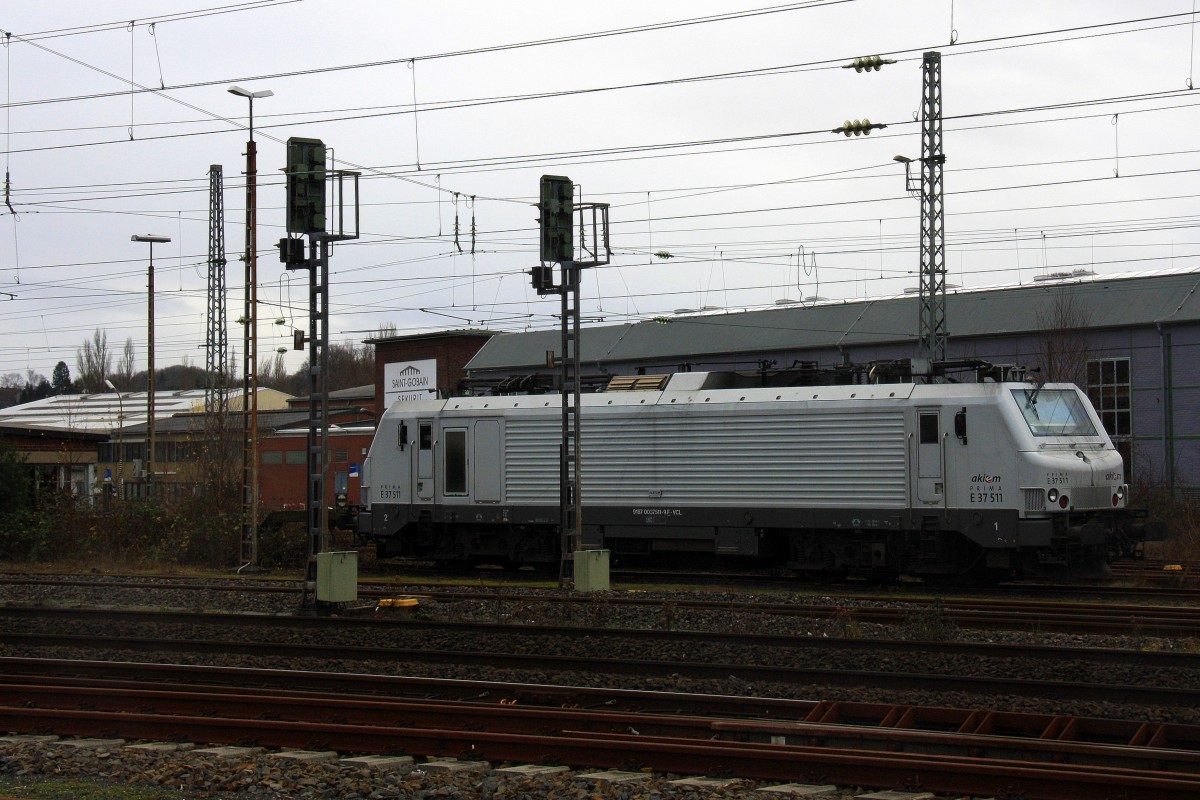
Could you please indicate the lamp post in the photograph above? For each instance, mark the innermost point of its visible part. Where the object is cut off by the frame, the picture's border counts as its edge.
(250, 344)
(120, 439)
(153, 240)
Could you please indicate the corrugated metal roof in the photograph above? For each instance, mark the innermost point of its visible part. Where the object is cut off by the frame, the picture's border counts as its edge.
(526, 349)
(1101, 301)
(102, 413)
(352, 393)
(269, 421)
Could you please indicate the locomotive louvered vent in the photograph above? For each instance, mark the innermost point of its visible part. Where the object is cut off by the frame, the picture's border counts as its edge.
(637, 383)
(1035, 500)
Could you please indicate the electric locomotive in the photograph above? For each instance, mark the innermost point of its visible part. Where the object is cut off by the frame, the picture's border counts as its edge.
(943, 481)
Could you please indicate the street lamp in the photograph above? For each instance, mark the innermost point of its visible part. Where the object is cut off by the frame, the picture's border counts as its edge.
(153, 240)
(909, 186)
(120, 439)
(250, 343)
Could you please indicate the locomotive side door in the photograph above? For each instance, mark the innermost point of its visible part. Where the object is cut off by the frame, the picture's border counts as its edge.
(486, 462)
(423, 474)
(931, 482)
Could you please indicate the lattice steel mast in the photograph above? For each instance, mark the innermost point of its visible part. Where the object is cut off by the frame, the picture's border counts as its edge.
(932, 332)
(216, 343)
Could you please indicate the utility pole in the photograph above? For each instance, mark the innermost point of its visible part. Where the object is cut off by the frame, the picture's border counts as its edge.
(249, 550)
(150, 442)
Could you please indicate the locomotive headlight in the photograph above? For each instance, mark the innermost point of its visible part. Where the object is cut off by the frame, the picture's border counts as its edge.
(1052, 495)
(1064, 501)
(1121, 492)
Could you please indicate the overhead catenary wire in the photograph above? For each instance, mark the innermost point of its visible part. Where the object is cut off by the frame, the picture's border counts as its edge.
(911, 53)
(804, 4)
(618, 234)
(178, 16)
(659, 229)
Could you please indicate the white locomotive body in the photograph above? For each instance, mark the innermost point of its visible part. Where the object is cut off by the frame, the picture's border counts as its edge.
(936, 480)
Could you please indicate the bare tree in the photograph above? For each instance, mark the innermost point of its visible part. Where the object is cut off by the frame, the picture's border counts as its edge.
(124, 373)
(216, 468)
(1063, 323)
(274, 374)
(350, 365)
(94, 361)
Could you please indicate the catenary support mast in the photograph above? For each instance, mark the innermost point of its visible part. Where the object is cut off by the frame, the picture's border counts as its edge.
(216, 342)
(932, 332)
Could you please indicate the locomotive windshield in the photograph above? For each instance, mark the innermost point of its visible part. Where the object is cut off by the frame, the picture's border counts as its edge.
(1054, 412)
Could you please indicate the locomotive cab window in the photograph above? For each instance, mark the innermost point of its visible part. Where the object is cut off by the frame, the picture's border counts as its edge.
(929, 428)
(1054, 412)
(455, 479)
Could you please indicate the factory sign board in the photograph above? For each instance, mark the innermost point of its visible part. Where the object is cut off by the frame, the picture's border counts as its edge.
(409, 380)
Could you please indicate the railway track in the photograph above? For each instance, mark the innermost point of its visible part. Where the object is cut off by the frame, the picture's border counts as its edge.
(983, 614)
(939, 749)
(1172, 587)
(914, 744)
(992, 613)
(526, 649)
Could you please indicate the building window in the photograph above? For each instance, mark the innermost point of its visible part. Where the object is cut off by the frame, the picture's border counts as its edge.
(295, 457)
(1108, 387)
(271, 457)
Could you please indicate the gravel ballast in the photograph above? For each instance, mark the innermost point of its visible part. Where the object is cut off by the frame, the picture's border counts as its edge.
(264, 776)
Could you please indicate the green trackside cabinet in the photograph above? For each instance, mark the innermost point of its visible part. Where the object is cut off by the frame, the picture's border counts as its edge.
(337, 577)
(591, 570)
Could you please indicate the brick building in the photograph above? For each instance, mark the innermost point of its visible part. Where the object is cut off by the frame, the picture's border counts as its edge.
(423, 364)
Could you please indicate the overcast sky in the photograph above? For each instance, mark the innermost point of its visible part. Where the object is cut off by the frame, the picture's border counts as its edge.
(1069, 130)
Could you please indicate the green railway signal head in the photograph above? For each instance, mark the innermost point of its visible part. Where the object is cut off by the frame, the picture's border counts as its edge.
(305, 185)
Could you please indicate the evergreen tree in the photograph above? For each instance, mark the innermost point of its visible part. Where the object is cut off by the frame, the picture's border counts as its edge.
(31, 392)
(60, 381)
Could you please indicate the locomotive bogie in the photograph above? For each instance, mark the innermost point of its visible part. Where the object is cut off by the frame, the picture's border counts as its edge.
(872, 480)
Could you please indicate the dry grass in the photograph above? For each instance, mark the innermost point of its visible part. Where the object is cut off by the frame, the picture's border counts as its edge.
(1182, 518)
